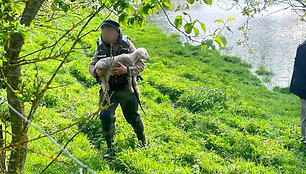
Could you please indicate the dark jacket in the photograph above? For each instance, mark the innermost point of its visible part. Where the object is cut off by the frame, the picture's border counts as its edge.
(298, 81)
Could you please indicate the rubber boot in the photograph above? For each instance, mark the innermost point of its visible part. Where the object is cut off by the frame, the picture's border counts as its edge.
(111, 146)
(142, 138)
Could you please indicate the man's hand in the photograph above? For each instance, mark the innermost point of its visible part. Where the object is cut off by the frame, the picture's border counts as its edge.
(100, 72)
(120, 70)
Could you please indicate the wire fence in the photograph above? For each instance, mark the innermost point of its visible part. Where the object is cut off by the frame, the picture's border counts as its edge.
(83, 166)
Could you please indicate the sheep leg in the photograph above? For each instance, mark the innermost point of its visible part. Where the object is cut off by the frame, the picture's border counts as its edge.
(134, 81)
(105, 87)
(130, 84)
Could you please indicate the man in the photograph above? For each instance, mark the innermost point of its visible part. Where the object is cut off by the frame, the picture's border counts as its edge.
(112, 40)
(298, 85)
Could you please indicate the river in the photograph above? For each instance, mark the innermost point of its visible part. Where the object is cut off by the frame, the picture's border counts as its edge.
(274, 37)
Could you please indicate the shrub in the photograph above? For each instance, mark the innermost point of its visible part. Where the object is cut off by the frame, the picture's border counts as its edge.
(80, 72)
(284, 90)
(201, 99)
(263, 72)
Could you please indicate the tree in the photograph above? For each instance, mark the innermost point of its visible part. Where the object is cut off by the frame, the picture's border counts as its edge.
(12, 74)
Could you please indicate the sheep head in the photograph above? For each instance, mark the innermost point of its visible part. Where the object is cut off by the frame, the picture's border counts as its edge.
(142, 54)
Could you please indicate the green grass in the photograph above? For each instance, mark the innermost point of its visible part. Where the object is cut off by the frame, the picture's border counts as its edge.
(206, 113)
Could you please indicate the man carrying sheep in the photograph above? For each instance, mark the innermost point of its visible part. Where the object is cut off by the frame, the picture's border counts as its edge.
(112, 40)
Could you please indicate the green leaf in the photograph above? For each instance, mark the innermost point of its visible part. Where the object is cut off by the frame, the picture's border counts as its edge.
(196, 31)
(190, 1)
(145, 9)
(123, 19)
(1, 62)
(168, 4)
(53, 6)
(4, 59)
(229, 29)
(231, 19)
(203, 27)
(81, 9)
(209, 42)
(65, 8)
(107, 4)
(178, 21)
(188, 27)
(177, 8)
(187, 14)
(43, 19)
(219, 21)
(187, 6)
(203, 47)
(209, 2)
(219, 41)
(16, 24)
(223, 39)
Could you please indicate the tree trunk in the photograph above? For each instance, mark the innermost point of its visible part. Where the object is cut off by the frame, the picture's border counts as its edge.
(2, 155)
(13, 76)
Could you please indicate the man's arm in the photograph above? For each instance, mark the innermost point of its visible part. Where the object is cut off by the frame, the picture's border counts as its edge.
(92, 69)
(92, 64)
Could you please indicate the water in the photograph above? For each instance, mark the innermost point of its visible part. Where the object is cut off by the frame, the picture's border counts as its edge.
(274, 37)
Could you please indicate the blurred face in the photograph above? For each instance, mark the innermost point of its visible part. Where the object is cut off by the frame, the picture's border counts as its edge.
(109, 35)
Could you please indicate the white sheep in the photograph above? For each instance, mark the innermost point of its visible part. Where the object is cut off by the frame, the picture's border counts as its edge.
(125, 59)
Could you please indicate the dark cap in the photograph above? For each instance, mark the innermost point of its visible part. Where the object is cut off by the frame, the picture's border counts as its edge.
(110, 23)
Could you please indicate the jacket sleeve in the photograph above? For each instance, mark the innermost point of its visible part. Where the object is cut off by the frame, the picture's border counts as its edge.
(301, 55)
(139, 65)
(92, 69)
(132, 47)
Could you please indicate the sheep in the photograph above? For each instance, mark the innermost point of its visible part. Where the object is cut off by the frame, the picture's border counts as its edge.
(125, 59)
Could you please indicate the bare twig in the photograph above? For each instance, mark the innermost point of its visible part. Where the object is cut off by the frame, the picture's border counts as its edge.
(36, 60)
(184, 33)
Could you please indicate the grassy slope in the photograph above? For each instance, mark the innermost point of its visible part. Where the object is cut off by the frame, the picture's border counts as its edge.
(205, 113)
